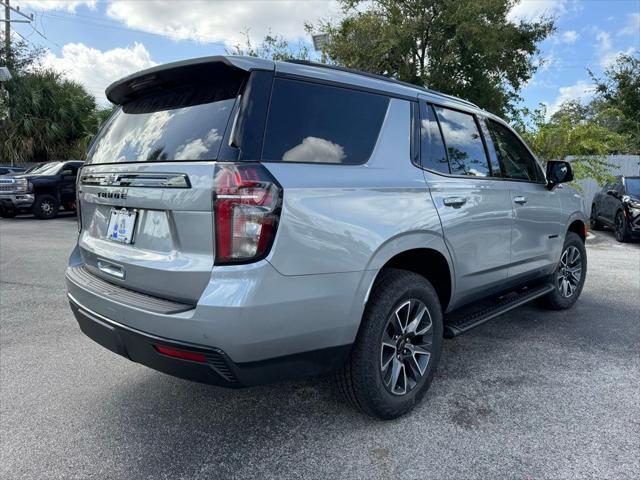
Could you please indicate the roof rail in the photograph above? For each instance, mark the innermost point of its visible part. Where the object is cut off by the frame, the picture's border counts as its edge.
(379, 77)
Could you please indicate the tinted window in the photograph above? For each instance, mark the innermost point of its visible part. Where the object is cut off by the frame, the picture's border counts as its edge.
(321, 124)
(464, 143)
(516, 160)
(432, 155)
(186, 124)
(4, 171)
(633, 186)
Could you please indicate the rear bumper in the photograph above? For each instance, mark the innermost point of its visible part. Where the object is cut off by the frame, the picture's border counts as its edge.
(262, 325)
(218, 369)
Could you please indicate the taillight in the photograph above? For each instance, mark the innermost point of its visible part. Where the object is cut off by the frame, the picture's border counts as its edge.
(78, 212)
(247, 208)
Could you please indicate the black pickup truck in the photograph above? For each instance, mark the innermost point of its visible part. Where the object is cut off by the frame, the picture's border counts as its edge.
(41, 190)
(618, 206)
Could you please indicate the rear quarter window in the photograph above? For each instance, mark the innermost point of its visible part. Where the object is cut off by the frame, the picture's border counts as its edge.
(313, 123)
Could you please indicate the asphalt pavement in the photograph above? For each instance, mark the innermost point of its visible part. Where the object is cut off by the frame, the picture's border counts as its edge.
(533, 394)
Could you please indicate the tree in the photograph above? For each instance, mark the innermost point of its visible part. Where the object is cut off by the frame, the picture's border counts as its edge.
(573, 131)
(272, 47)
(44, 116)
(465, 48)
(50, 118)
(618, 97)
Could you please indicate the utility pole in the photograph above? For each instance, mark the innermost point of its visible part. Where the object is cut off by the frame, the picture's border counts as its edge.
(7, 26)
(7, 33)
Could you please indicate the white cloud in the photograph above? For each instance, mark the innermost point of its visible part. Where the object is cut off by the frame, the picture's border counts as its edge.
(570, 36)
(223, 21)
(633, 25)
(68, 5)
(536, 9)
(96, 69)
(315, 149)
(605, 50)
(579, 91)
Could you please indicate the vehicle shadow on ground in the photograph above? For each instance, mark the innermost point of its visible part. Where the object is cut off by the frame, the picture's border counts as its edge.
(179, 426)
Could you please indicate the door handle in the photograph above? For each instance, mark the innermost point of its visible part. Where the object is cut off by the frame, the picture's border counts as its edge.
(454, 201)
(520, 200)
(114, 270)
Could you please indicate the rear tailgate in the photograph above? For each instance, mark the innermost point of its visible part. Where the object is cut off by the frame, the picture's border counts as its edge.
(146, 190)
(172, 246)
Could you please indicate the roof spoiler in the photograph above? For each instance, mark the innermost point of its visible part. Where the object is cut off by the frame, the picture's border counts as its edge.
(197, 70)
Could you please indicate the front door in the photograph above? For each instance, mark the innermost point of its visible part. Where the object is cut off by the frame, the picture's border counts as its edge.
(537, 235)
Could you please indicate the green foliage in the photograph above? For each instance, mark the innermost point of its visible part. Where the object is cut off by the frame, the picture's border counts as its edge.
(272, 47)
(49, 118)
(588, 132)
(44, 116)
(618, 98)
(572, 131)
(465, 48)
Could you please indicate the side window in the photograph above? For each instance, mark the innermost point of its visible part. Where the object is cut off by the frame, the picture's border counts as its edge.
(464, 143)
(516, 160)
(432, 153)
(314, 123)
(4, 171)
(70, 170)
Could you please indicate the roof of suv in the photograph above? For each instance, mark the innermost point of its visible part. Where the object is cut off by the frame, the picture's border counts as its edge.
(119, 91)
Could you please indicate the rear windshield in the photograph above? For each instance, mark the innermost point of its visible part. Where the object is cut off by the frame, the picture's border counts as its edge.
(180, 124)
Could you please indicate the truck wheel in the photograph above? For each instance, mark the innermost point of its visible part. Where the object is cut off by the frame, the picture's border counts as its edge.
(620, 227)
(570, 274)
(397, 349)
(45, 207)
(594, 224)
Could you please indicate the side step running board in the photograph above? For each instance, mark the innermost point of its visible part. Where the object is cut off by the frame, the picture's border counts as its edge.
(466, 318)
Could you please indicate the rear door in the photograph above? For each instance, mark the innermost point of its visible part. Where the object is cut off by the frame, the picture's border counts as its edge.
(474, 208)
(146, 188)
(538, 230)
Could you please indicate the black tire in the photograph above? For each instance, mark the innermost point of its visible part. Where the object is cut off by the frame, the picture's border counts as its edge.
(620, 228)
(361, 381)
(594, 223)
(45, 207)
(557, 299)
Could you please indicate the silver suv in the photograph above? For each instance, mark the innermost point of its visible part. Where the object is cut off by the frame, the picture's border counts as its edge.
(244, 221)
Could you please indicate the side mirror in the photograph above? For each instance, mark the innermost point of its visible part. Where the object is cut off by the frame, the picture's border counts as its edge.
(558, 172)
(612, 192)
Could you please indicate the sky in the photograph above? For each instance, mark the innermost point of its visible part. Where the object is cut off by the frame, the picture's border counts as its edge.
(98, 41)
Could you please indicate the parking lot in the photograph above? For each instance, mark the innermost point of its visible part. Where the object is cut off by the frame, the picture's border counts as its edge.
(534, 394)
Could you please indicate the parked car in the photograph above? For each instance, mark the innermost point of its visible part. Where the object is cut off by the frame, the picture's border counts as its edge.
(10, 170)
(42, 190)
(356, 221)
(617, 205)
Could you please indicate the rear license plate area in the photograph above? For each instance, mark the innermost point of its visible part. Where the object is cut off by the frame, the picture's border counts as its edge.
(122, 224)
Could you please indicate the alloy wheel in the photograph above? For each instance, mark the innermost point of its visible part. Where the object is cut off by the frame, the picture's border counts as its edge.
(46, 207)
(406, 346)
(569, 271)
